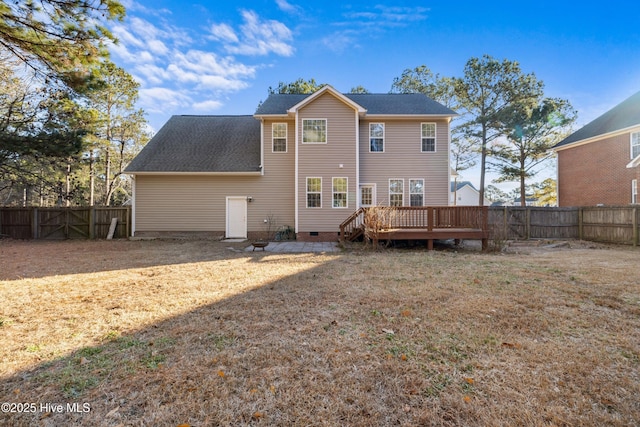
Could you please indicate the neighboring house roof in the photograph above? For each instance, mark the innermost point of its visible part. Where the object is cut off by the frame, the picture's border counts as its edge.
(202, 144)
(374, 104)
(458, 185)
(622, 116)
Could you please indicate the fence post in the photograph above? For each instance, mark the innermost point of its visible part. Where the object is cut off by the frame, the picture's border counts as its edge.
(635, 226)
(128, 222)
(92, 222)
(34, 223)
(527, 225)
(504, 224)
(580, 225)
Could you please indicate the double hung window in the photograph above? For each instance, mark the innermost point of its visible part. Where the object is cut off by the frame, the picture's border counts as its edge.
(376, 137)
(279, 135)
(635, 145)
(314, 192)
(428, 137)
(339, 190)
(396, 191)
(416, 192)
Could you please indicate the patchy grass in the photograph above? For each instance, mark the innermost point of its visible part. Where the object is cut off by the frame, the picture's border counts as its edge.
(190, 332)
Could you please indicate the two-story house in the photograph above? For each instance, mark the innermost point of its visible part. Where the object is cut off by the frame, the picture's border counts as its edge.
(306, 161)
(598, 164)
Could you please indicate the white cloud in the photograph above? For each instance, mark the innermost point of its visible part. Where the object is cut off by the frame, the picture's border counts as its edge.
(340, 41)
(178, 73)
(223, 32)
(285, 6)
(256, 37)
(387, 16)
(162, 99)
(370, 23)
(208, 105)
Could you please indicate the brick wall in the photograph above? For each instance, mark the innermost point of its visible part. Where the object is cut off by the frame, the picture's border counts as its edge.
(596, 173)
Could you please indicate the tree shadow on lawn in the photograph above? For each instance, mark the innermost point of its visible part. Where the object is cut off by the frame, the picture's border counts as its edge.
(308, 348)
(40, 258)
(302, 349)
(256, 356)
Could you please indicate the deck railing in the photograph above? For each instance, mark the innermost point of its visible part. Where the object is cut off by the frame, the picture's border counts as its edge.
(420, 217)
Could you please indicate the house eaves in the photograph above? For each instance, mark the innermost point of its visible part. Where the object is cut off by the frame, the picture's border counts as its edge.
(169, 173)
(558, 147)
(449, 117)
(620, 119)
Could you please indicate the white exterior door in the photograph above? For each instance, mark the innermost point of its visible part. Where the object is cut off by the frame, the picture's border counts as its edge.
(236, 217)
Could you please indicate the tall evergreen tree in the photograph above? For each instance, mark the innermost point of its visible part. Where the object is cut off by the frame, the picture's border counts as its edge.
(118, 131)
(530, 133)
(488, 90)
(60, 40)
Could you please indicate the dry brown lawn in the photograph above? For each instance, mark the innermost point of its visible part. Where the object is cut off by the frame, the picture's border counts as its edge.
(166, 333)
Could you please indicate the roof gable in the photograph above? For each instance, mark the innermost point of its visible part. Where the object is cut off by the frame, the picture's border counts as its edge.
(456, 186)
(202, 144)
(623, 116)
(326, 89)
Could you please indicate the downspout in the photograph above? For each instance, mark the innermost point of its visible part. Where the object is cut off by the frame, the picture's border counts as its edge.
(262, 147)
(133, 205)
(296, 183)
(357, 160)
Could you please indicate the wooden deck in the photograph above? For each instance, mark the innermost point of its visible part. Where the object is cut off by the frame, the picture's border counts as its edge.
(418, 223)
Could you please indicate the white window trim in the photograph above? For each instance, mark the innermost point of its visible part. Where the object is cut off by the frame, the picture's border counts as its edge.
(306, 189)
(631, 144)
(390, 193)
(384, 132)
(334, 192)
(326, 131)
(286, 137)
(634, 191)
(435, 137)
(410, 193)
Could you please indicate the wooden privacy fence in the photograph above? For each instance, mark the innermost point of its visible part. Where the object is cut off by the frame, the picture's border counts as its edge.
(612, 224)
(64, 223)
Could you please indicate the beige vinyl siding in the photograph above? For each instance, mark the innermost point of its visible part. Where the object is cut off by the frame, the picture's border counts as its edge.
(167, 203)
(324, 160)
(403, 159)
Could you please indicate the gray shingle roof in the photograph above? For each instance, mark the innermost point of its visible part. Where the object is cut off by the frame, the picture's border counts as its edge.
(202, 144)
(458, 185)
(622, 116)
(374, 103)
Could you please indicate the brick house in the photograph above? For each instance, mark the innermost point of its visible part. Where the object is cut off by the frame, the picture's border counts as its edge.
(599, 164)
(305, 161)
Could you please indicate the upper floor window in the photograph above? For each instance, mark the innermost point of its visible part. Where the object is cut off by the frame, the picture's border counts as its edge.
(314, 192)
(635, 145)
(340, 192)
(416, 192)
(396, 191)
(428, 137)
(314, 131)
(279, 135)
(376, 137)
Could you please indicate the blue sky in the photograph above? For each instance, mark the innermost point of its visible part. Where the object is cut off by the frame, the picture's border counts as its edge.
(220, 57)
